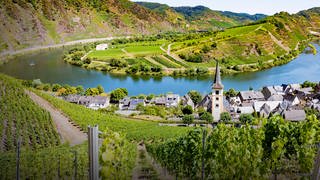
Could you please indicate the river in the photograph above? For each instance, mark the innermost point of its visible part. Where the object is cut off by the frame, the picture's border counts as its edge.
(50, 68)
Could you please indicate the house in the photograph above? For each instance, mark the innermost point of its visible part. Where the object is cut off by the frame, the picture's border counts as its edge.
(101, 47)
(172, 100)
(72, 98)
(186, 100)
(84, 100)
(235, 101)
(290, 88)
(264, 108)
(303, 93)
(268, 91)
(294, 115)
(160, 101)
(291, 99)
(206, 103)
(98, 102)
(245, 110)
(275, 97)
(92, 102)
(134, 103)
(124, 103)
(250, 96)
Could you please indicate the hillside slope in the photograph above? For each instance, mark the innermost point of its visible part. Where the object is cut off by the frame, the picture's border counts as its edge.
(201, 17)
(21, 118)
(26, 23)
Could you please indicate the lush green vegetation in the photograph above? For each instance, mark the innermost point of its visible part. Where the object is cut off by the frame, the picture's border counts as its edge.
(117, 157)
(278, 147)
(165, 62)
(134, 130)
(61, 162)
(21, 118)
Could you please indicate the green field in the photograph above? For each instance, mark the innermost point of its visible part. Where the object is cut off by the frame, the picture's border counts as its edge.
(107, 54)
(166, 63)
(144, 50)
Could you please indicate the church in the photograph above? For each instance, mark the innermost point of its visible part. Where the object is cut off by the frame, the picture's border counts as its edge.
(217, 95)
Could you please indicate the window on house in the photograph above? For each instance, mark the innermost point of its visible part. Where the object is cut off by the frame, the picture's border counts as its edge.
(217, 98)
(217, 105)
(217, 92)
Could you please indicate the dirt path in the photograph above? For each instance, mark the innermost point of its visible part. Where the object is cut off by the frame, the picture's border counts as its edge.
(147, 168)
(127, 53)
(35, 48)
(66, 130)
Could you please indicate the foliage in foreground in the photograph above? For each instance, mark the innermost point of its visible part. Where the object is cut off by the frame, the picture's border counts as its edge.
(117, 156)
(242, 153)
(52, 163)
(21, 118)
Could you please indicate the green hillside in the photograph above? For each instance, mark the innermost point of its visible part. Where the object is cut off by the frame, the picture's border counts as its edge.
(269, 42)
(28, 23)
(21, 118)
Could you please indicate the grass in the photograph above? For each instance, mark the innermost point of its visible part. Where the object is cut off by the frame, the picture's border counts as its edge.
(107, 54)
(144, 50)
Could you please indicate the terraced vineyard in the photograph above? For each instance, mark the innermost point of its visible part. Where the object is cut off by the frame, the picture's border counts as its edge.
(165, 62)
(21, 118)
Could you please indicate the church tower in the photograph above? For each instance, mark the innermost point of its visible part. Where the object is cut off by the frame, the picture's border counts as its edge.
(217, 95)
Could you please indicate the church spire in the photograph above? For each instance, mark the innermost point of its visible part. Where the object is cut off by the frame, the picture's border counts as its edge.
(217, 79)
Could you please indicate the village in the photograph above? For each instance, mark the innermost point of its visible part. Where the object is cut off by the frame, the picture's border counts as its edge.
(291, 101)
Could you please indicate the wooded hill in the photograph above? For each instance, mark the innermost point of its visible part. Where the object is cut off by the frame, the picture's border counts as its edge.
(26, 23)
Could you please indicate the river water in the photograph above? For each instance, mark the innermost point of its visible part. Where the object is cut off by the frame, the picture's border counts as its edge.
(50, 68)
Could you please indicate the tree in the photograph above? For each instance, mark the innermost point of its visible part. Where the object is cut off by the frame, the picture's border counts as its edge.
(195, 96)
(92, 92)
(187, 119)
(55, 87)
(225, 117)
(246, 118)
(80, 89)
(118, 94)
(231, 93)
(187, 110)
(100, 89)
(150, 96)
(206, 116)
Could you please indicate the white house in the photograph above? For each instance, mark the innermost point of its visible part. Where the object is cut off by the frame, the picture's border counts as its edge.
(172, 100)
(101, 47)
(98, 102)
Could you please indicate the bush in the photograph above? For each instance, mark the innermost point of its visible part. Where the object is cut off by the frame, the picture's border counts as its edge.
(118, 94)
(246, 118)
(187, 110)
(118, 63)
(188, 119)
(206, 116)
(195, 96)
(225, 117)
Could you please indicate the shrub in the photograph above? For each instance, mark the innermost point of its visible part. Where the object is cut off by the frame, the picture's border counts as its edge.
(225, 117)
(188, 119)
(187, 110)
(206, 116)
(246, 118)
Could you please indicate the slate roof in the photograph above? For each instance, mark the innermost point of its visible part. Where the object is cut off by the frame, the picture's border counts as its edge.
(275, 97)
(217, 84)
(259, 104)
(251, 95)
(294, 115)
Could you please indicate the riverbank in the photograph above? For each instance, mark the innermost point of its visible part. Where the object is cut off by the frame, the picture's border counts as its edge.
(150, 65)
